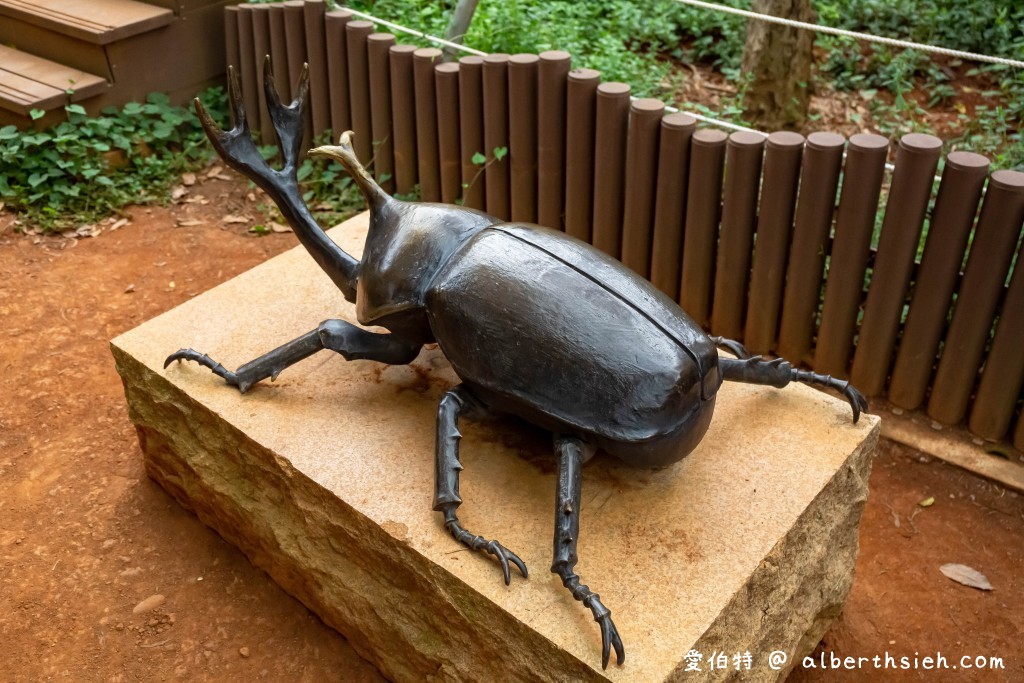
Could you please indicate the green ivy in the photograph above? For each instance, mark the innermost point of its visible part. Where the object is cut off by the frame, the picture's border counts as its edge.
(85, 168)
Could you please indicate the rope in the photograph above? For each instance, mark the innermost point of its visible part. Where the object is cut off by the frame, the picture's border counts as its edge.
(458, 46)
(418, 34)
(854, 34)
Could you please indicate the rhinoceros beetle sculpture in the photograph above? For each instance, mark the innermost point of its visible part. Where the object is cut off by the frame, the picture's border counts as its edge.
(535, 323)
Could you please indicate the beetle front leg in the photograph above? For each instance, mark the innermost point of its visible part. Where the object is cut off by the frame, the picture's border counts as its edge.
(353, 343)
(455, 403)
(570, 452)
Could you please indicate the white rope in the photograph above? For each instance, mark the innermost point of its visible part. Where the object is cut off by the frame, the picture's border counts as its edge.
(463, 48)
(418, 34)
(854, 34)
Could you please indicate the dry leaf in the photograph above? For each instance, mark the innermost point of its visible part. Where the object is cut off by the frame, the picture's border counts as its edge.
(188, 179)
(118, 224)
(968, 576)
(129, 289)
(235, 218)
(187, 223)
(221, 176)
(277, 227)
(178, 192)
(215, 170)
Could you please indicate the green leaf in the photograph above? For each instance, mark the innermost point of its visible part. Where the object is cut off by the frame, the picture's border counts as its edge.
(479, 159)
(75, 109)
(500, 153)
(37, 114)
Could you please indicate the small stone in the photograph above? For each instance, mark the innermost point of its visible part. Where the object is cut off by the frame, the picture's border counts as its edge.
(937, 426)
(897, 411)
(150, 603)
(244, 652)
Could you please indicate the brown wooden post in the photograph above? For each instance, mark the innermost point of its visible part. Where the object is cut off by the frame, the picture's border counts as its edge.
(423, 62)
(855, 223)
(246, 68)
(316, 57)
(744, 153)
(956, 205)
(337, 71)
(496, 176)
(471, 121)
(703, 206)
(1018, 433)
(295, 46)
(356, 33)
(823, 158)
(403, 112)
(279, 52)
(783, 154)
(522, 149)
(260, 50)
(1003, 376)
(640, 186)
(580, 114)
(552, 76)
(905, 210)
(610, 129)
(231, 52)
(378, 46)
(995, 240)
(670, 201)
(446, 82)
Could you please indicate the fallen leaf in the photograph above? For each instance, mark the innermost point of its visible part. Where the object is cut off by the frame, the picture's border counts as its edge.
(968, 576)
(235, 218)
(118, 224)
(187, 223)
(277, 227)
(129, 289)
(999, 450)
(178, 192)
(251, 196)
(927, 502)
(221, 176)
(188, 179)
(214, 171)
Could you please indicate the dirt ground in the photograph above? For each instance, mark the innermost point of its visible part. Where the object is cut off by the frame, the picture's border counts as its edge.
(87, 542)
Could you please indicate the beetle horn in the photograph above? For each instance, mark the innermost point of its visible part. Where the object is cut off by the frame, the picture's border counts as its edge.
(345, 154)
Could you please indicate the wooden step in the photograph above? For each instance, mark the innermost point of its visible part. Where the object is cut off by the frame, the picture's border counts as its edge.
(28, 82)
(96, 21)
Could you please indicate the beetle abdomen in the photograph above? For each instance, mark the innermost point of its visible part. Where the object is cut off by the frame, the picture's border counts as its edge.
(539, 322)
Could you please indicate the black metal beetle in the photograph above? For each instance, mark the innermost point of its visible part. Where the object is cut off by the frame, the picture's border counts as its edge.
(534, 322)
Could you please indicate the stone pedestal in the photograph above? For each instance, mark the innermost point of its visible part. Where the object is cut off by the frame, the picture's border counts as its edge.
(324, 479)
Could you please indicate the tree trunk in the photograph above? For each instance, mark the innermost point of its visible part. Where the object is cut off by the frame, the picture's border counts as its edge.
(458, 26)
(777, 62)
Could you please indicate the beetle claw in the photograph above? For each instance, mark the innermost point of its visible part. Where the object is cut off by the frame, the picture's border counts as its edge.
(500, 552)
(610, 639)
(204, 360)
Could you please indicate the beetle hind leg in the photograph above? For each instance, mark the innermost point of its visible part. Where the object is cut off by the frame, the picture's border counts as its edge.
(455, 403)
(779, 372)
(570, 452)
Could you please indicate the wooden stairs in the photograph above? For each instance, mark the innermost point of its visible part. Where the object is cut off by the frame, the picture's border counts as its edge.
(98, 53)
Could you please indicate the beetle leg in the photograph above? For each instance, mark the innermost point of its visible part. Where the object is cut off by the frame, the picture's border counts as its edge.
(780, 372)
(570, 451)
(455, 403)
(353, 343)
(732, 346)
